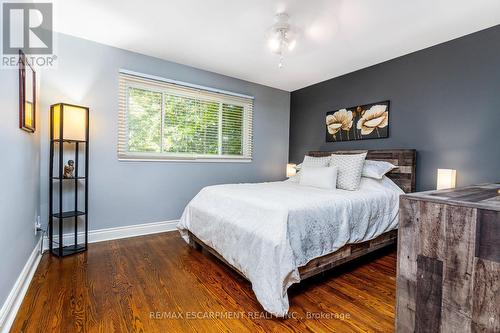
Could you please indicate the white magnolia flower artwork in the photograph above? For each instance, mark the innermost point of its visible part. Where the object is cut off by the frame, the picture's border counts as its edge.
(339, 121)
(370, 121)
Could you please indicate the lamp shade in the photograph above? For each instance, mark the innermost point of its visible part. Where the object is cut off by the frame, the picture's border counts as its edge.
(291, 170)
(446, 178)
(72, 120)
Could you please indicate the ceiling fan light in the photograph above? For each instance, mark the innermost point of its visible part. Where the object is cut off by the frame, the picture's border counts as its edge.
(274, 44)
(281, 38)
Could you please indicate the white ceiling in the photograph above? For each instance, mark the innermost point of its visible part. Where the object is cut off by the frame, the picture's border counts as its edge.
(230, 36)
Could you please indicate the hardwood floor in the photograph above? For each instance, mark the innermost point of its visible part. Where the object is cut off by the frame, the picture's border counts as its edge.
(157, 283)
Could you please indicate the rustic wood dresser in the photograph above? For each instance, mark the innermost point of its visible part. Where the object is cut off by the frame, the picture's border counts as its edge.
(448, 274)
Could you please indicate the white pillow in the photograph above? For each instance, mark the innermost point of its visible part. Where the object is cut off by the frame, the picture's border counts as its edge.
(322, 177)
(376, 169)
(323, 161)
(316, 161)
(350, 168)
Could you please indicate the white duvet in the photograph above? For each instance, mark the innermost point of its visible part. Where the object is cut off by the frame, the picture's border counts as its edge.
(268, 230)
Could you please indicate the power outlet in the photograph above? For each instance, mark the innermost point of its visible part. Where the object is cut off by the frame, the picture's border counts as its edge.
(38, 224)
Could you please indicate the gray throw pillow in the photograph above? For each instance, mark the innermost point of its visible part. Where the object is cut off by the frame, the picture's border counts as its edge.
(350, 167)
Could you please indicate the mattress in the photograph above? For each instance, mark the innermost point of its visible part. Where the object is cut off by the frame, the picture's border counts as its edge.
(268, 230)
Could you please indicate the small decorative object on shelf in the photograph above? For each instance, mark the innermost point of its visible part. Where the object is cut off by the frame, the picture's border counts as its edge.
(68, 169)
(69, 135)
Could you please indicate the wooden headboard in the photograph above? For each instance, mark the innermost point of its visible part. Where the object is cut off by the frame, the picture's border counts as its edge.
(404, 159)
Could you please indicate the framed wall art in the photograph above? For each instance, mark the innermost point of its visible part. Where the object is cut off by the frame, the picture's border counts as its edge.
(27, 95)
(369, 121)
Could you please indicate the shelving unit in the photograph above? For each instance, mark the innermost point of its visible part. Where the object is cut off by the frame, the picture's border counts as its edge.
(58, 142)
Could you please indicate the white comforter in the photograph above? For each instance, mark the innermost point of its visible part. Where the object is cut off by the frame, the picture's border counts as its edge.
(268, 230)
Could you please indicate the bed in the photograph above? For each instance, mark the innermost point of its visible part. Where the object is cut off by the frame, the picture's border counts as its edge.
(279, 233)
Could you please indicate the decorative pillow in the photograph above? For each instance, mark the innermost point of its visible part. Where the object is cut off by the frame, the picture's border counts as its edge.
(322, 177)
(315, 161)
(310, 161)
(350, 169)
(376, 169)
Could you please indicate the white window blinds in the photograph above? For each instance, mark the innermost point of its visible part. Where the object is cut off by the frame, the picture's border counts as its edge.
(162, 119)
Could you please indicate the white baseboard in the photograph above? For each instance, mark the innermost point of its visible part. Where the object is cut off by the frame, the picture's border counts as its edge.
(16, 296)
(100, 235)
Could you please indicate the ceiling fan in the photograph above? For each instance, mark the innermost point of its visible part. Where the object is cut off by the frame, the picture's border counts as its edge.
(282, 38)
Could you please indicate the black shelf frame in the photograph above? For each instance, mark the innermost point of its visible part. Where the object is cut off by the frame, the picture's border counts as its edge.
(57, 248)
(68, 214)
(77, 178)
(69, 140)
(68, 250)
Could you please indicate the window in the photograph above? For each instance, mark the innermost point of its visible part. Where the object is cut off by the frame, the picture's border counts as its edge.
(162, 119)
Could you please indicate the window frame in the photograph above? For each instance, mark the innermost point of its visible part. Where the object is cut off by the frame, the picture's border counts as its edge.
(193, 91)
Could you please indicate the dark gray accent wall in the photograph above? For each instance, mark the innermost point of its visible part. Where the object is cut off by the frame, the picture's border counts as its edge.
(128, 193)
(445, 102)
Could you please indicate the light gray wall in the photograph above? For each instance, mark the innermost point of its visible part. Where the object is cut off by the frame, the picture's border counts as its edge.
(445, 102)
(127, 193)
(19, 185)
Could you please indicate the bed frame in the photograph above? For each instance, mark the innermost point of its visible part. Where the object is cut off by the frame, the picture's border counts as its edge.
(403, 176)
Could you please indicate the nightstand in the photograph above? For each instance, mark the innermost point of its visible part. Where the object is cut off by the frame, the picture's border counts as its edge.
(448, 274)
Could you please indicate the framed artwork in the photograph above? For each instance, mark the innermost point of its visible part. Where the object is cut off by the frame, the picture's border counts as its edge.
(369, 121)
(27, 95)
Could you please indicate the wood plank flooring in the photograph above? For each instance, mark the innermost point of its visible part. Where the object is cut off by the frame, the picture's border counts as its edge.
(157, 283)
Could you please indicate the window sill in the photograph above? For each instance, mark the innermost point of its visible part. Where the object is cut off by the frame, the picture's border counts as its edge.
(184, 159)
